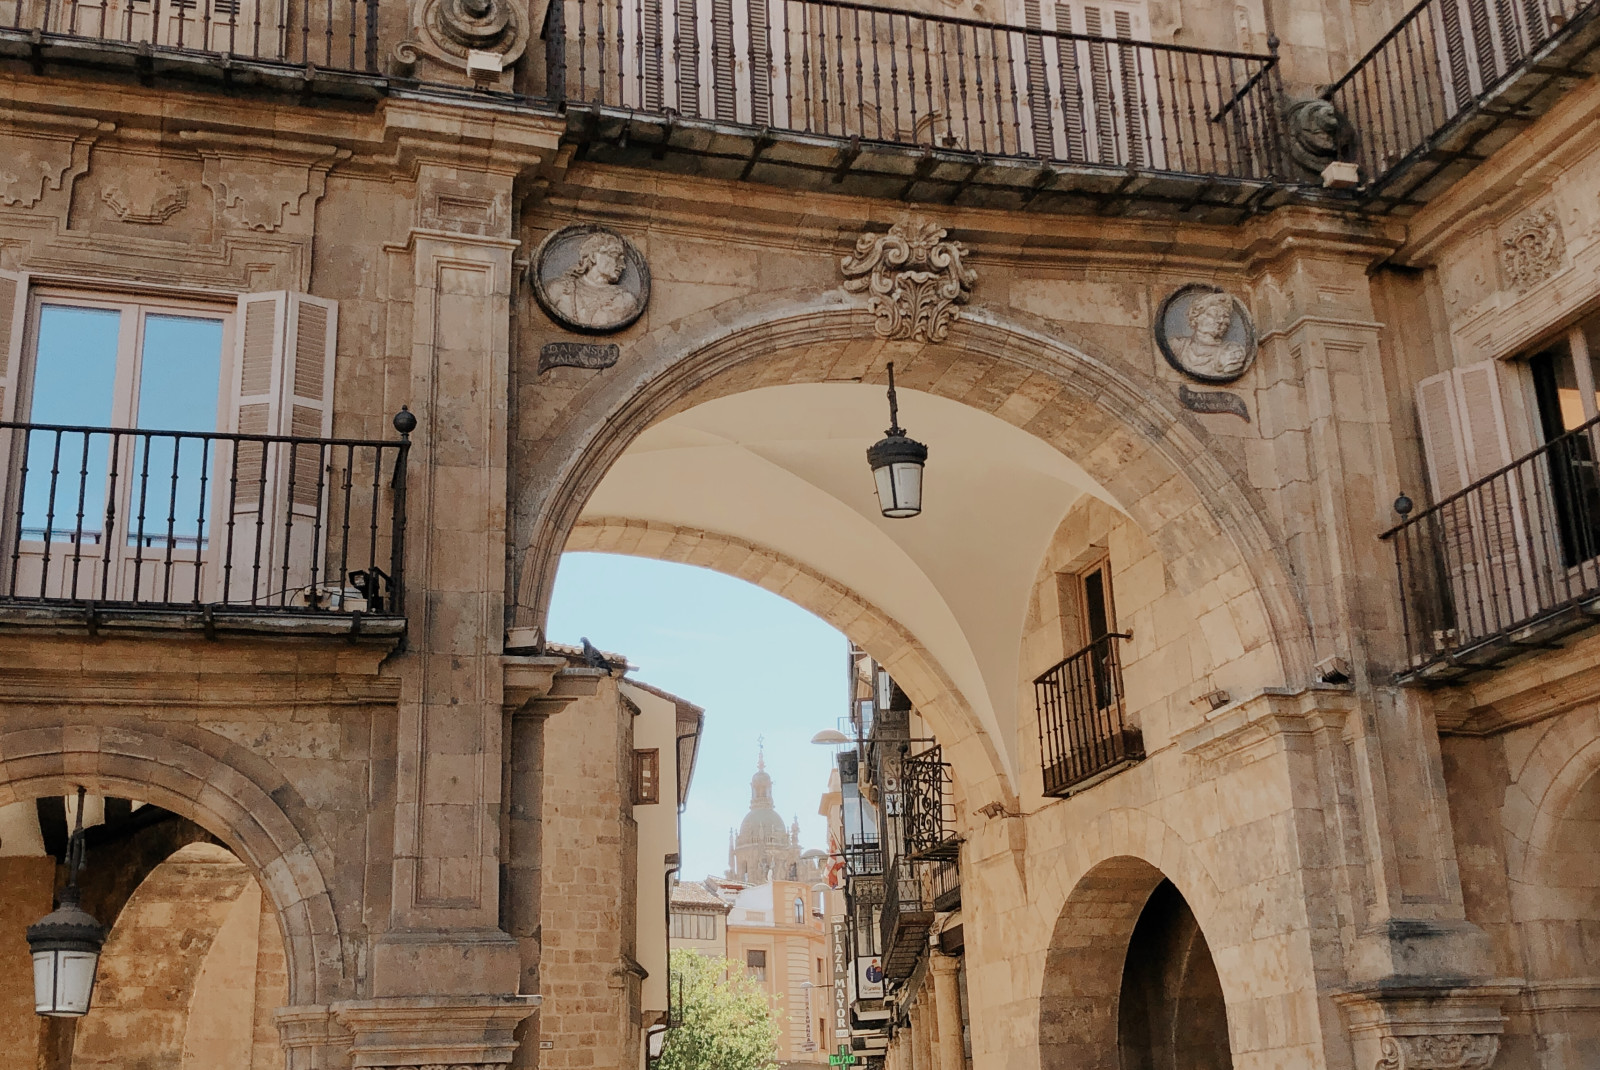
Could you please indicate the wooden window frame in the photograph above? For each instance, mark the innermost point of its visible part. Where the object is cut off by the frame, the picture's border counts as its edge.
(646, 776)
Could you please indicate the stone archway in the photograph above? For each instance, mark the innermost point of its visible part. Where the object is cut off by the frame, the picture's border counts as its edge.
(887, 640)
(224, 789)
(1127, 969)
(1155, 463)
(191, 972)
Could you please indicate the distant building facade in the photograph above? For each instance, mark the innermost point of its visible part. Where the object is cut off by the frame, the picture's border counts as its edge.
(764, 848)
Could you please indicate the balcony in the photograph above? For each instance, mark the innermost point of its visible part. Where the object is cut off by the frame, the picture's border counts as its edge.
(176, 35)
(1452, 82)
(121, 528)
(929, 805)
(1084, 736)
(833, 94)
(1504, 567)
(908, 913)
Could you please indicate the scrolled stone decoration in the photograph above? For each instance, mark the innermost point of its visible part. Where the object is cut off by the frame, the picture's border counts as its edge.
(1317, 135)
(915, 278)
(1206, 333)
(1438, 1051)
(447, 31)
(1532, 249)
(589, 278)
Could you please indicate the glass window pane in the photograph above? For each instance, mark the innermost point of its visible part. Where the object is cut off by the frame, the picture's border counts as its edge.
(74, 379)
(180, 375)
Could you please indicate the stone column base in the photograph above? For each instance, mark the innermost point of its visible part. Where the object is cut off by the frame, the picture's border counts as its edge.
(428, 1032)
(1425, 1027)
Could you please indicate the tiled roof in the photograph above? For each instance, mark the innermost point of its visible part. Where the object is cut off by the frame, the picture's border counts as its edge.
(696, 895)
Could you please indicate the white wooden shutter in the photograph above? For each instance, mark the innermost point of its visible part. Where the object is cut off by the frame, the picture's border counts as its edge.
(1488, 556)
(282, 385)
(13, 319)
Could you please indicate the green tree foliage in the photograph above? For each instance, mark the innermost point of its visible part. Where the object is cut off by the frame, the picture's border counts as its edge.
(727, 1023)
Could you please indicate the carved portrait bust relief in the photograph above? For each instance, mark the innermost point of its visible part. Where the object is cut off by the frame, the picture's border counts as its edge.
(1206, 334)
(589, 278)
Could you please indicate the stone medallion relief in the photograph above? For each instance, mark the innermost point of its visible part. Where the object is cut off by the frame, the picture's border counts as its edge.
(1206, 333)
(1531, 249)
(591, 279)
(915, 279)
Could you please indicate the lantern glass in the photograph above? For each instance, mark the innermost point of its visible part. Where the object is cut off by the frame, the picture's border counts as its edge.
(63, 982)
(899, 488)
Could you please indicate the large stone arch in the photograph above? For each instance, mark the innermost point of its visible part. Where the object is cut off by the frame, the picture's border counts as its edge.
(231, 793)
(1550, 890)
(887, 640)
(1154, 462)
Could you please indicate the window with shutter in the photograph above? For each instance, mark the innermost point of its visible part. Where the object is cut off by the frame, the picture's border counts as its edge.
(171, 513)
(1489, 561)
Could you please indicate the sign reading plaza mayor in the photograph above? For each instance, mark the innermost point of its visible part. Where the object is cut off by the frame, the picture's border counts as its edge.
(841, 980)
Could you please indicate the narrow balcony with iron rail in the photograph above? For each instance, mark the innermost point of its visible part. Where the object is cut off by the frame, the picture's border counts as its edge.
(1504, 567)
(1084, 733)
(129, 528)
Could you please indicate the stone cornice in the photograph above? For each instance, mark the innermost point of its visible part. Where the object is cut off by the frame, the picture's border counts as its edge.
(1266, 719)
(1522, 694)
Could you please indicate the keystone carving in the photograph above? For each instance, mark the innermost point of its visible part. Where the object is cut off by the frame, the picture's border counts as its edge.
(914, 278)
(150, 200)
(1532, 249)
(1441, 1051)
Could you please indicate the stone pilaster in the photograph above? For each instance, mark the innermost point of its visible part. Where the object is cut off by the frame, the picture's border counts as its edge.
(947, 1001)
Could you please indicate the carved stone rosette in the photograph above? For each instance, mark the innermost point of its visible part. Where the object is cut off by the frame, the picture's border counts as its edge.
(914, 278)
(1449, 1051)
(1531, 249)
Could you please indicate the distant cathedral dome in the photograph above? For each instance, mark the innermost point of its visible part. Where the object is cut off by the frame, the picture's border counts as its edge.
(765, 848)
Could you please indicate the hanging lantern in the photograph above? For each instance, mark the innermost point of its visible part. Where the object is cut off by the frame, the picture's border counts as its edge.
(66, 944)
(897, 462)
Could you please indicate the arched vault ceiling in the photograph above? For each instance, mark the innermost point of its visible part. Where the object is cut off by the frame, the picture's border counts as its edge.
(785, 467)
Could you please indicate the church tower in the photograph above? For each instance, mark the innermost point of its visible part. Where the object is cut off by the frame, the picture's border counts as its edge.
(764, 849)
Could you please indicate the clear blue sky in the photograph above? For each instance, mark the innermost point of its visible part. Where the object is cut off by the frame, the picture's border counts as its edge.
(760, 666)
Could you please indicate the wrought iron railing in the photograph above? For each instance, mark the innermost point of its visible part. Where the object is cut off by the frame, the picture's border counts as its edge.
(874, 74)
(340, 35)
(1439, 61)
(183, 519)
(1506, 564)
(944, 878)
(929, 826)
(1083, 730)
(907, 916)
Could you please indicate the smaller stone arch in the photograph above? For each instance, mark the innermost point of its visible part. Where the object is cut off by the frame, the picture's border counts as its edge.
(1552, 823)
(976, 762)
(223, 788)
(1108, 967)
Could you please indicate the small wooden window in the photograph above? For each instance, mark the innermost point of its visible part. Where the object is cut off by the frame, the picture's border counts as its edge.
(756, 962)
(646, 776)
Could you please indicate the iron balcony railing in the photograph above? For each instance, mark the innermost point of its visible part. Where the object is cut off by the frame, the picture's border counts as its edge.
(944, 878)
(120, 516)
(929, 827)
(860, 73)
(1439, 61)
(1505, 565)
(907, 916)
(1083, 730)
(338, 35)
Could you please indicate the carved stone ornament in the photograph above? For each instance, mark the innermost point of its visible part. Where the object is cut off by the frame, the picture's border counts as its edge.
(1532, 249)
(590, 278)
(444, 1066)
(1317, 135)
(914, 278)
(1447, 1051)
(1206, 333)
(150, 198)
(448, 30)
